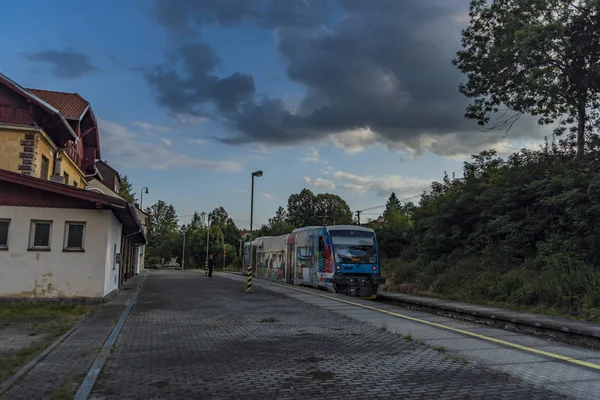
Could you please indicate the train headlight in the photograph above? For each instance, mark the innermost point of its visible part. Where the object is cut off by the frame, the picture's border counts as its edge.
(374, 268)
(338, 267)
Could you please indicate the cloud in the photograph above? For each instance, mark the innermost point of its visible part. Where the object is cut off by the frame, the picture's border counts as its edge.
(178, 15)
(184, 120)
(266, 196)
(126, 149)
(167, 142)
(65, 64)
(320, 183)
(373, 72)
(190, 92)
(383, 186)
(151, 128)
(312, 156)
(195, 141)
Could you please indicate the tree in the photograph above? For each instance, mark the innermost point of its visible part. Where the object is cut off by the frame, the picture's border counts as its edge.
(301, 208)
(196, 223)
(163, 231)
(332, 209)
(537, 57)
(218, 216)
(305, 209)
(126, 190)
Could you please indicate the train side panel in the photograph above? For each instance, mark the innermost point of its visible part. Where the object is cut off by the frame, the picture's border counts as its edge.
(271, 258)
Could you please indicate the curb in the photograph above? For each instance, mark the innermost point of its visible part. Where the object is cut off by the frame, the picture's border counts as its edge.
(510, 323)
(85, 388)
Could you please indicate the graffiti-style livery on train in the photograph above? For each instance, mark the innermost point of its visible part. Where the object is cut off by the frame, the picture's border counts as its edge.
(340, 258)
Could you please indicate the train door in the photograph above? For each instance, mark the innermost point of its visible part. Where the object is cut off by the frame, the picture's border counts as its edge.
(290, 272)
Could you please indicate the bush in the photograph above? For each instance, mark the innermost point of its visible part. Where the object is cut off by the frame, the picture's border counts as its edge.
(521, 232)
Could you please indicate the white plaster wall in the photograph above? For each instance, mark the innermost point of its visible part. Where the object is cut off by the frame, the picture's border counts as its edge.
(111, 281)
(54, 273)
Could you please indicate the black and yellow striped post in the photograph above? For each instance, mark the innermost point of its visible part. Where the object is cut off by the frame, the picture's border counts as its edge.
(249, 283)
(206, 269)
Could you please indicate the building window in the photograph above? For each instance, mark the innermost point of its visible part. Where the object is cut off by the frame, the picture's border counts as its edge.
(39, 237)
(44, 170)
(74, 183)
(66, 178)
(4, 225)
(74, 236)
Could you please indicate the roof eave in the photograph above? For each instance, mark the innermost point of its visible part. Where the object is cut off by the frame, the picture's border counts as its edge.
(39, 101)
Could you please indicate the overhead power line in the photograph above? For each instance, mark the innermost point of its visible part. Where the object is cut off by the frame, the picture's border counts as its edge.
(376, 207)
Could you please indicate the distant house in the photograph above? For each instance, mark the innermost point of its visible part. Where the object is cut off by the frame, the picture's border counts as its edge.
(58, 241)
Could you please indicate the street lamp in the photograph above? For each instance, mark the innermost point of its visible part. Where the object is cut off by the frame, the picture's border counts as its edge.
(256, 174)
(142, 197)
(207, 240)
(183, 251)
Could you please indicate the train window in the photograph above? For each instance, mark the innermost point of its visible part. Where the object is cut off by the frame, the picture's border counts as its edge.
(321, 244)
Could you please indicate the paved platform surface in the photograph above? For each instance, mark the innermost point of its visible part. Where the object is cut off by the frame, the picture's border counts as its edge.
(70, 361)
(531, 319)
(190, 336)
(536, 361)
(193, 337)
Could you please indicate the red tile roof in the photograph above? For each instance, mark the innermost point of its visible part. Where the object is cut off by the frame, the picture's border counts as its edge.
(70, 105)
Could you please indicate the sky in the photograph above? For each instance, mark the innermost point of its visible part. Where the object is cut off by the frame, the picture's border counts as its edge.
(353, 97)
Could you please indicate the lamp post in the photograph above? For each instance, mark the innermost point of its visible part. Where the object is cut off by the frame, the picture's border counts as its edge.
(142, 197)
(183, 251)
(207, 243)
(256, 174)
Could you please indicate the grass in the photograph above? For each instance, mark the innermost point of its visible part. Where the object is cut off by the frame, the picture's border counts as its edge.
(269, 319)
(441, 349)
(69, 389)
(472, 280)
(49, 320)
(32, 310)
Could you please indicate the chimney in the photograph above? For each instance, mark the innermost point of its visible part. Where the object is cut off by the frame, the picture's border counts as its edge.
(57, 176)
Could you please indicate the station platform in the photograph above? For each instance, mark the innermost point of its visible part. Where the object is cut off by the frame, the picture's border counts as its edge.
(190, 336)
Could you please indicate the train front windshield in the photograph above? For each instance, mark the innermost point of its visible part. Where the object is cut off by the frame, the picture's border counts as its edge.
(352, 246)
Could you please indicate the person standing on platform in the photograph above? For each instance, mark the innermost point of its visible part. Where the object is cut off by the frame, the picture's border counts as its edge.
(211, 264)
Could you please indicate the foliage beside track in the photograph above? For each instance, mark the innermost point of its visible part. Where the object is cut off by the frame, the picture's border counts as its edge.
(521, 232)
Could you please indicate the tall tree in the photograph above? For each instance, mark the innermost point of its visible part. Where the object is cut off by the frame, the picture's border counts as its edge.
(162, 219)
(332, 209)
(218, 215)
(163, 232)
(196, 222)
(126, 189)
(301, 208)
(537, 57)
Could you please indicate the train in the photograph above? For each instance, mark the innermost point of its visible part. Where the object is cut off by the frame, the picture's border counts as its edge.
(338, 258)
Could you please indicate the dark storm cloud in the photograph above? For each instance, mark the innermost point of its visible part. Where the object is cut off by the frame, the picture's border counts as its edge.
(383, 65)
(65, 64)
(178, 14)
(188, 94)
(386, 65)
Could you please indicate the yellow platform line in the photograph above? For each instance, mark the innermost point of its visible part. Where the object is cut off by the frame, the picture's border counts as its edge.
(450, 328)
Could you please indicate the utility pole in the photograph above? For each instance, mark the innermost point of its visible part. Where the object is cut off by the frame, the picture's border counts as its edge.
(358, 216)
